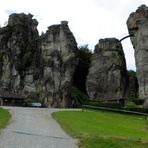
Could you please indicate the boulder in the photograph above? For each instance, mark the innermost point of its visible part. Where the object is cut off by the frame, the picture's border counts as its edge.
(107, 73)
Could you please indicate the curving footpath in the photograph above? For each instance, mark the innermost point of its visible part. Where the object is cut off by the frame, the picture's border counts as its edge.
(34, 128)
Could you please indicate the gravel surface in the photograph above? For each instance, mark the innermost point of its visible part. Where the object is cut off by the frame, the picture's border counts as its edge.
(34, 128)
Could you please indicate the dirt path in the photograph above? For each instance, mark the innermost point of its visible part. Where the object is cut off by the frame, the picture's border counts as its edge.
(34, 128)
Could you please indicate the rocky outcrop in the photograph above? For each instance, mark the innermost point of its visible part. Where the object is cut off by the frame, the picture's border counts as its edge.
(138, 27)
(19, 55)
(132, 85)
(59, 50)
(37, 67)
(107, 73)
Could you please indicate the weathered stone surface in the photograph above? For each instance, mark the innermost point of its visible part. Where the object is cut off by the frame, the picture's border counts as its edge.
(19, 52)
(59, 57)
(132, 87)
(107, 73)
(138, 26)
(37, 67)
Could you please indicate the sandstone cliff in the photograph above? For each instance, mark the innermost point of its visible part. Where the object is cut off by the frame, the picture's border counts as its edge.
(59, 50)
(37, 67)
(107, 73)
(19, 55)
(138, 26)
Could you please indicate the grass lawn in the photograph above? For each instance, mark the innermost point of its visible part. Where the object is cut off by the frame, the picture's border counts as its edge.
(4, 118)
(98, 129)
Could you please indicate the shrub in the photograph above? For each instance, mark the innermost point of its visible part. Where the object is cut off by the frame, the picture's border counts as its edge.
(138, 109)
(131, 104)
(78, 97)
(106, 105)
(131, 73)
(138, 101)
(28, 102)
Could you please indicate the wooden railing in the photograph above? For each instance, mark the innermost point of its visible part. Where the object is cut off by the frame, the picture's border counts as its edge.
(113, 110)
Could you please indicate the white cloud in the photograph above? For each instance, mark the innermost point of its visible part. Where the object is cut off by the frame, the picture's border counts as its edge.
(89, 20)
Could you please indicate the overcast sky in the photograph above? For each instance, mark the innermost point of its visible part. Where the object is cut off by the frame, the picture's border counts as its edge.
(89, 20)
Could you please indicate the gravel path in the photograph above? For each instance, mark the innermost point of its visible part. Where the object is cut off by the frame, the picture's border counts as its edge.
(34, 128)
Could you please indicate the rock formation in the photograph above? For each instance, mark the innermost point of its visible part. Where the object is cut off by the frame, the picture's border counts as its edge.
(138, 27)
(19, 54)
(37, 67)
(132, 85)
(107, 73)
(59, 57)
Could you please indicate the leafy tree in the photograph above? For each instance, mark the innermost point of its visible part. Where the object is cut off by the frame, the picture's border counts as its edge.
(78, 97)
(131, 73)
(82, 69)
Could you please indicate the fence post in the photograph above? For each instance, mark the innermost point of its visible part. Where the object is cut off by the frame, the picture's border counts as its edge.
(82, 108)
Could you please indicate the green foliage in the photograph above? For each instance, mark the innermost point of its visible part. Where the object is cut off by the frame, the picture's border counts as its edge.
(131, 73)
(81, 72)
(98, 129)
(4, 118)
(106, 105)
(131, 104)
(138, 101)
(137, 109)
(136, 106)
(78, 96)
(28, 102)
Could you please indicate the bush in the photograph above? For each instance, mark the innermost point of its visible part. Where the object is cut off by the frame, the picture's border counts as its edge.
(131, 73)
(141, 110)
(78, 97)
(131, 104)
(28, 102)
(106, 105)
(138, 101)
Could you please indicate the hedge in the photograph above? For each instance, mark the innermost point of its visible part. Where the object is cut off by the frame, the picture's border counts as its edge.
(138, 101)
(141, 110)
(106, 105)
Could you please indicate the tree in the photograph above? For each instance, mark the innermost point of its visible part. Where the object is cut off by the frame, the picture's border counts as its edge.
(82, 69)
(132, 73)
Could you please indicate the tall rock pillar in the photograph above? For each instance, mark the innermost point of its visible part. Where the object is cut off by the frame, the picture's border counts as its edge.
(59, 50)
(137, 24)
(19, 56)
(107, 73)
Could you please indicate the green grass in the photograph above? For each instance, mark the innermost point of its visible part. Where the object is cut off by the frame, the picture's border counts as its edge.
(4, 118)
(97, 129)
